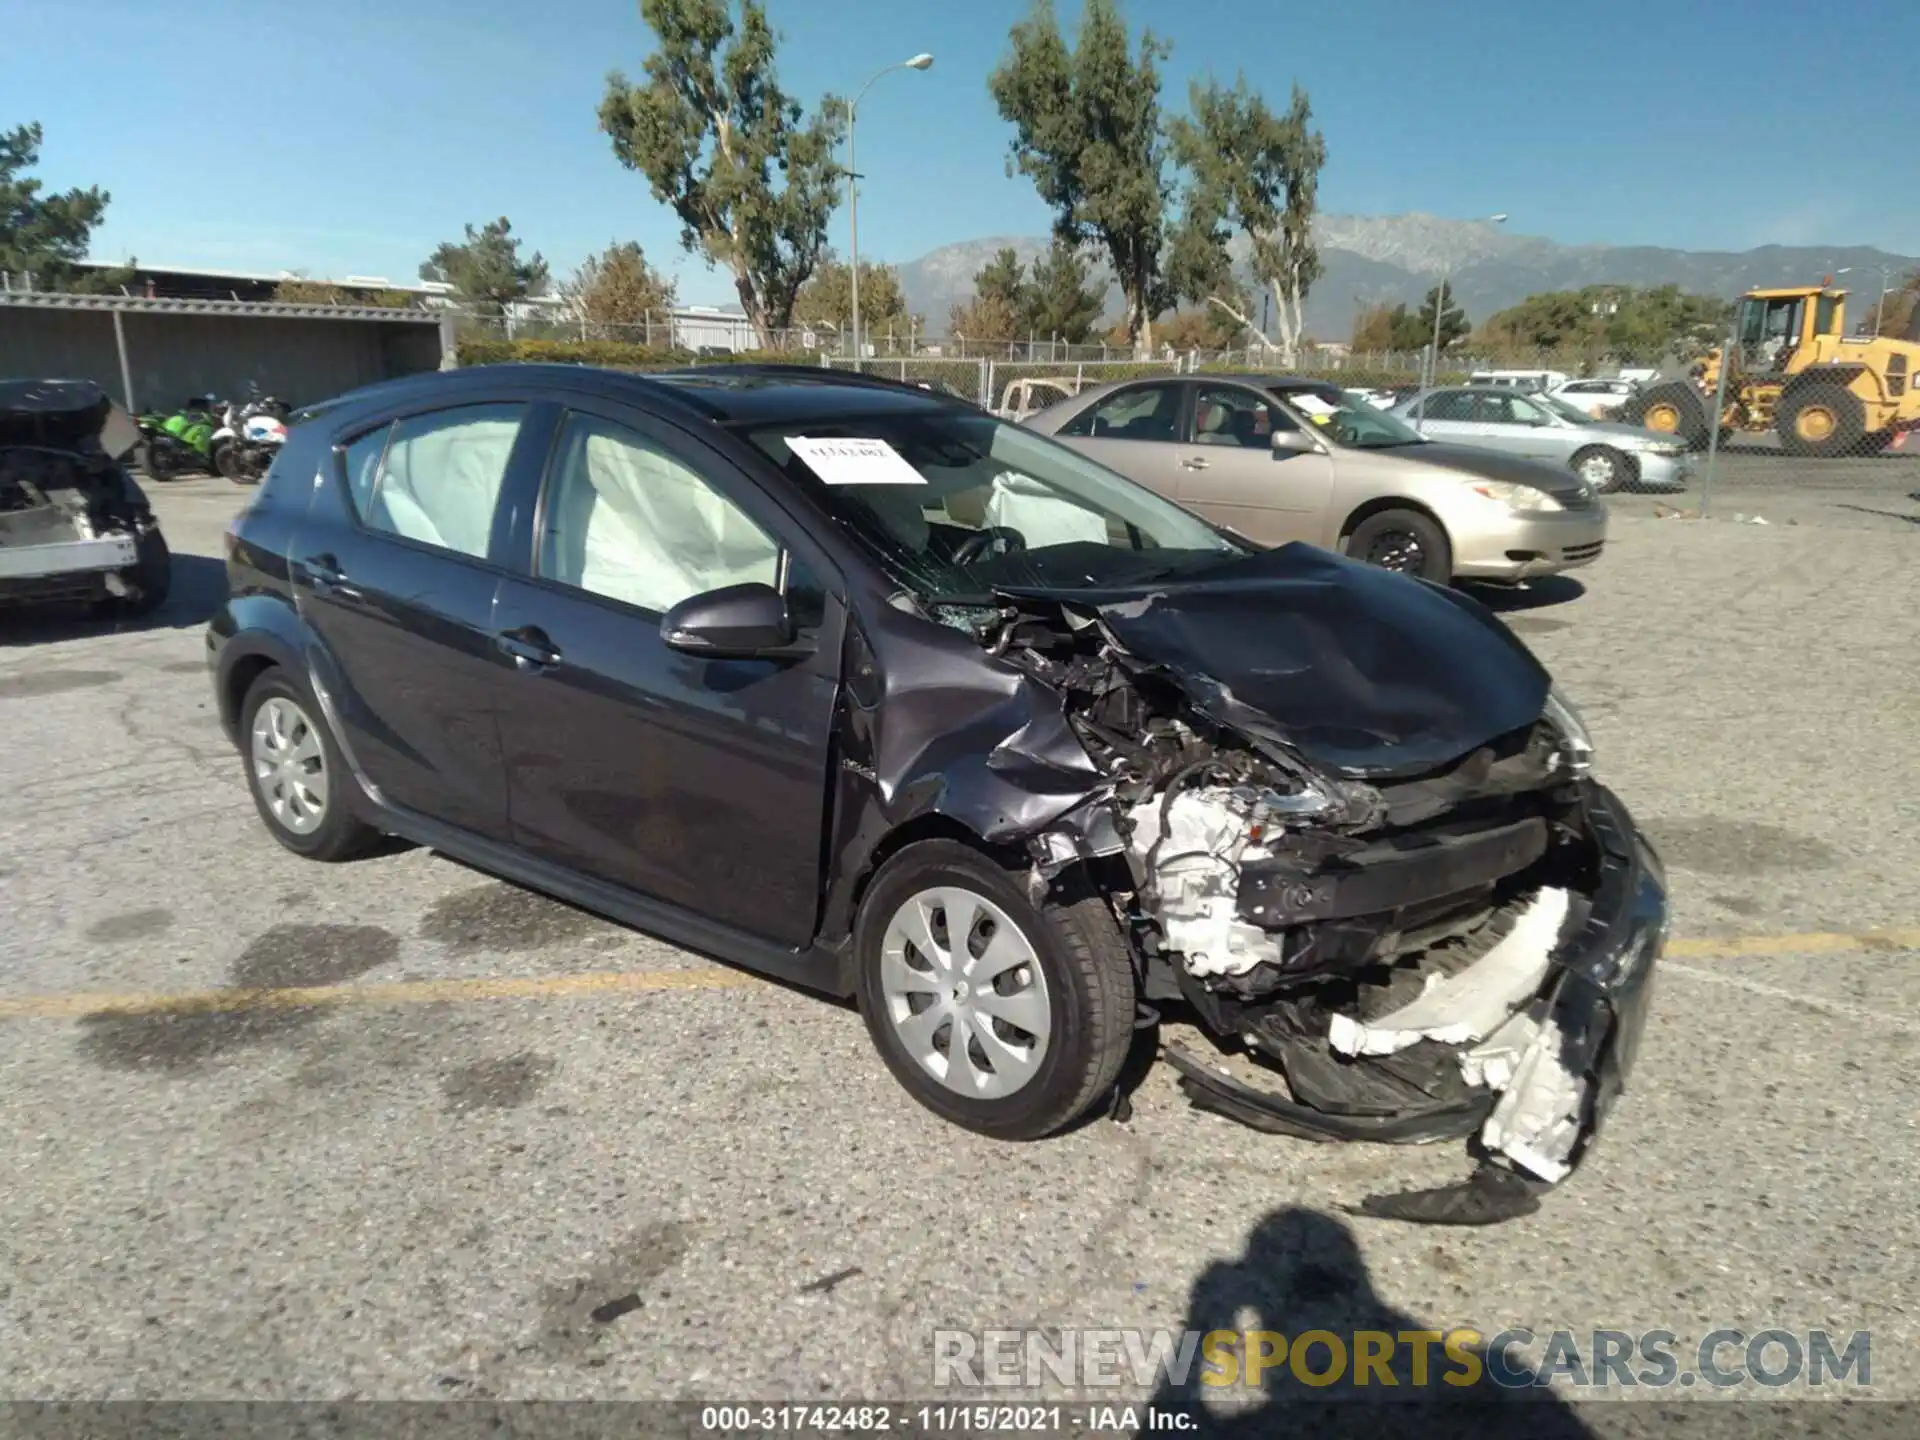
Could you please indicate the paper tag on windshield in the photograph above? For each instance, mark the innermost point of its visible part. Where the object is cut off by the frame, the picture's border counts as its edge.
(854, 462)
(1313, 404)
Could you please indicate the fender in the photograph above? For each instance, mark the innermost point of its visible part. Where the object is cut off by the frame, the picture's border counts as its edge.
(1834, 374)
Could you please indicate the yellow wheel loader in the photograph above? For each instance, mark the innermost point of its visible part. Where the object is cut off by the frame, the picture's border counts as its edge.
(1795, 371)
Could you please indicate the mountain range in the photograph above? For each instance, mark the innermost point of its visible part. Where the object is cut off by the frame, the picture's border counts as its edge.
(1393, 259)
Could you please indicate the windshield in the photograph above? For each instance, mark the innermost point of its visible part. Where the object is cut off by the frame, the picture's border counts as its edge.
(1351, 423)
(1563, 409)
(954, 504)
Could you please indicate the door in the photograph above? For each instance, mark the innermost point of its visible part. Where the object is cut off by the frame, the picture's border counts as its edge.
(1135, 430)
(1231, 474)
(394, 572)
(699, 782)
(1449, 415)
(1521, 426)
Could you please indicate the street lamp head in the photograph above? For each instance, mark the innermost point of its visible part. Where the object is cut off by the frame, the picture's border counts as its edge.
(922, 61)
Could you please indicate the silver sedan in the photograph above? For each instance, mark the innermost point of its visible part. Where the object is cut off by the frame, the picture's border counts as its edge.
(1607, 456)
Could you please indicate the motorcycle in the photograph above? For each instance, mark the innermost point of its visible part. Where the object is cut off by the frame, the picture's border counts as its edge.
(175, 444)
(249, 437)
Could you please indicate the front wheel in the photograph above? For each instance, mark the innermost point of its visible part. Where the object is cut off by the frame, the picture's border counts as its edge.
(1406, 541)
(1602, 467)
(228, 461)
(1672, 409)
(1004, 1017)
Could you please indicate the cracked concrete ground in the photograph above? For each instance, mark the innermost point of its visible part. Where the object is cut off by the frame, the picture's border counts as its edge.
(515, 1178)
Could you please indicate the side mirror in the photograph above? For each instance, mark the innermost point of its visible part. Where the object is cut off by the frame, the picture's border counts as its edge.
(735, 622)
(1294, 442)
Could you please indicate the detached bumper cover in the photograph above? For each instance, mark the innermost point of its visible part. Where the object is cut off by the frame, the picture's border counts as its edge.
(1594, 1004)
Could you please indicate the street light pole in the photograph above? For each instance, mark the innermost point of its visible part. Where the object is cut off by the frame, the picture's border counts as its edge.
(1440, 302)
(918, 62)
(1886, 283)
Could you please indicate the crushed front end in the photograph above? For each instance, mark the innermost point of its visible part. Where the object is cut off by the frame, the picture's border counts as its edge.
(1460, 950)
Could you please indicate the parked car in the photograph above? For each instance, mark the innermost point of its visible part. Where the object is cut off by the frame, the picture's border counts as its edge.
(74, 527)
(1606, 455)
(1279, 459)
(1527, 381)
(1029, 396)
(1596, 399)
(871, 691)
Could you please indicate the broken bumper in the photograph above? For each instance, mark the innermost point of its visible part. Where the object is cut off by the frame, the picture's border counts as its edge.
(1584, 1027)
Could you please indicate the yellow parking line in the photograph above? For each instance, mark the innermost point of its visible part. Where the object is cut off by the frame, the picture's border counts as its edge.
(712, 977)
(1733, 947)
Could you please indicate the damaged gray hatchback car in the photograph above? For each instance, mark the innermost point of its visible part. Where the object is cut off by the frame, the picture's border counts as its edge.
(866, 689)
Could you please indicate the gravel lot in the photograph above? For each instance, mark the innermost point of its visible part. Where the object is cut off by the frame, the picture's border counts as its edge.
(529, 1116)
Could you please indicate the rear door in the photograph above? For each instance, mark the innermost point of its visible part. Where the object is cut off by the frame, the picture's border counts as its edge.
(1231, 474)
(1135, 430)
(395, 568)
(1449, 415)
(698, 782)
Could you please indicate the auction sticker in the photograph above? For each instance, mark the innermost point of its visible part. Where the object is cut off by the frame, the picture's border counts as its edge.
(851, 461)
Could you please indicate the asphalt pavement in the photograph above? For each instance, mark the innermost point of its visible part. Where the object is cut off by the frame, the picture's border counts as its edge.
(395, 1129)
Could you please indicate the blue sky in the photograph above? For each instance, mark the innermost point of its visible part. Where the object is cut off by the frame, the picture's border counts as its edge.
(351, 137)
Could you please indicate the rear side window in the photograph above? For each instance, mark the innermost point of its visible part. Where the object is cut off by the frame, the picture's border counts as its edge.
(1449, 405)
(1145, 412)
(435, 479)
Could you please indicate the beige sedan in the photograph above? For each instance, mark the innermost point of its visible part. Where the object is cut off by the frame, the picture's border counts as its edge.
(1279, 459)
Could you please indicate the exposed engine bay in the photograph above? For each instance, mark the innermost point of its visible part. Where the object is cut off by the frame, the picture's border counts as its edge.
(1390, 947)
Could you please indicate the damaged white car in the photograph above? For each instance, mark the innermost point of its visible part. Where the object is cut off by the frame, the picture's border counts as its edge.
(74, 527)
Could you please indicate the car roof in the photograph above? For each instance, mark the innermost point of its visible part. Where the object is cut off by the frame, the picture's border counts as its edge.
(726, 394)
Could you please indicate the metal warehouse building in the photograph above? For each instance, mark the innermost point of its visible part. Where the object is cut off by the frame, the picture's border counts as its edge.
(155, 353)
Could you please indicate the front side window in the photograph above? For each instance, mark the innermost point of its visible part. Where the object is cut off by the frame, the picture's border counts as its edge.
(1230, 415)
(626, 520)
(1141, 412)
(435, 479)
(993, 505)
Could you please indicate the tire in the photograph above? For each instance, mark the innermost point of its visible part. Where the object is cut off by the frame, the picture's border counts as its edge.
(227, 461)
(1406, 541)
(1603, 467)
(1673, 409)
(338, 833)
(1821, 421)
(1079, 978)
(150, 579)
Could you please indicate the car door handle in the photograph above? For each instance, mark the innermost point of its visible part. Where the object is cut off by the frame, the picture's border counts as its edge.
(1194, 462)
(327, 578)
(529, 646)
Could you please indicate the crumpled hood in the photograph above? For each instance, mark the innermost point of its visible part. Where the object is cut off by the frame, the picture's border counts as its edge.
(1497, 465)
(1361, 671)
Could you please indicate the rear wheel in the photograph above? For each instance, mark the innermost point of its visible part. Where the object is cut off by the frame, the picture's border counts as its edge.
(1673, 409)
(295, 772)
(1004, 1017)
(1406, 541)
(1822, 421)
(150, 579)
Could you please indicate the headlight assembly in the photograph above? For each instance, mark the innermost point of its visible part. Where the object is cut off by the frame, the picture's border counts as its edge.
(1575, 741)
(1521, 499)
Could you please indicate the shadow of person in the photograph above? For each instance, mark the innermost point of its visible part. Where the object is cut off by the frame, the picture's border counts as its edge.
(1302, 1272)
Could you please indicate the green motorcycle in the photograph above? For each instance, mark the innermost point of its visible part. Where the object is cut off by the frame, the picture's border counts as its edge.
(178, 443)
